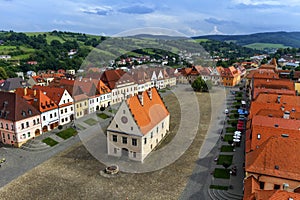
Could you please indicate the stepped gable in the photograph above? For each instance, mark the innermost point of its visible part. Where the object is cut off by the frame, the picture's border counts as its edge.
(149, 111)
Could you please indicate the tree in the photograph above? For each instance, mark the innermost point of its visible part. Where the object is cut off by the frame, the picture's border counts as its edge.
(3, 74)
(199, 85)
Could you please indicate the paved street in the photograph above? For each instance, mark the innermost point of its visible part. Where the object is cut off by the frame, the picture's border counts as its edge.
(202, 178)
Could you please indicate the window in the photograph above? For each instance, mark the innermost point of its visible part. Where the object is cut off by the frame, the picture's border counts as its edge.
(28, 134)
(64, 101)
(61, 111)
(258, 136)
(115, 138)
(66, 110)
(156, 129)
(27, 124)
(151, 134)
(55, 114)
(12, 127)
(22, 126)
(123, 111)
(124, 140)
(261, 185)
(38, 120)
(162, 125)
(34, 122)
(71, 108)
(6, 126)
(24, 136)
(8, 136)
(145, 140)
(115, 150)
(51, 116)
(134, 154)
(134, 142)
(44, 118)
(62, 120)
(3, 135)
(276, 187)
(131, 128)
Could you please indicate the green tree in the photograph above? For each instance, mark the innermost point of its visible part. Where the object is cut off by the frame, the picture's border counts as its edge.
(199, 85)
(3, 74)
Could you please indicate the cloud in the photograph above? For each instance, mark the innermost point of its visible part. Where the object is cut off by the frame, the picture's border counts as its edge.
(137, 9)
(104, 10)
(256, 6)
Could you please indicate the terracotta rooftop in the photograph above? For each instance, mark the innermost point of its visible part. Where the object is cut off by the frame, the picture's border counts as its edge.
(275, 195)
(54, 93)
(262, 74)
(258, 91)
(14, 108)
(277, 157)
(37, 99)
(148, 113)
(112, 78)
(250, 186)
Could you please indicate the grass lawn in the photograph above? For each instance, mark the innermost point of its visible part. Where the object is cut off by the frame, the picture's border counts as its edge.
(90, 122)
(228, 137)
(80, 127)
(50, 141)
(218, 187)
(230, 129)
(225, 158)
(226, 148)
(102, 115)
(234, 111)
(162, 91)
(65, 134)
(112, 111)
(222, 173)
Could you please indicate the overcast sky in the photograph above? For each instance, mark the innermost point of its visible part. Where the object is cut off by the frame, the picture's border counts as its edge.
(190, 17)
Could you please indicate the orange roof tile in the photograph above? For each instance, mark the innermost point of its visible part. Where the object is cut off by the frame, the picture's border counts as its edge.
(276, 195)
(54, 93)
(262, 74)
(277, 157)
(37, 99)
(149, 113)
(250, 186)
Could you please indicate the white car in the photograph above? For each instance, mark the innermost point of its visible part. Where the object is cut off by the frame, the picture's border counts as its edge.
(226, 111)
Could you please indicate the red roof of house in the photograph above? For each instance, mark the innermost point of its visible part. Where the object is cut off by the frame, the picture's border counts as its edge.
(277, 157)
(262, 74)
(14, 108)
(275, 195)
(250, 186)
(149, 113)
(37, 99)
(54, 93)
(111, 78)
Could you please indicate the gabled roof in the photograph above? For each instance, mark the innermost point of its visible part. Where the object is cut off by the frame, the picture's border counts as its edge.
(140, 76)
(12, 84)
(277, 157)
(37, 99)
(250, 186)
(54, 93)
(111, 77)
(14, 108)
(149, 112)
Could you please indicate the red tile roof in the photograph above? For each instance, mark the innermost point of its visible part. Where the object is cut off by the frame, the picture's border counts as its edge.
(149, 113)
(277, 157)
(14, 108)
(37, 99)
(262, 74)
(276, 195)
(111, 78)
(250, 186)
(54, 93)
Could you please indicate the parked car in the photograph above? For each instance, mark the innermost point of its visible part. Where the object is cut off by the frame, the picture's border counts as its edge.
(226, 111)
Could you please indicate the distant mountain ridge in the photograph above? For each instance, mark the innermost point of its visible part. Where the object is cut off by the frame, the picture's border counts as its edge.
(290, 39)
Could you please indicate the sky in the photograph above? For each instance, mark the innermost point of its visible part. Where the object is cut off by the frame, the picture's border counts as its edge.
(189, 17)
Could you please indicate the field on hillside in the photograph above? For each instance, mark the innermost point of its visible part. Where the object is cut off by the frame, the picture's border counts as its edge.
(262, 46)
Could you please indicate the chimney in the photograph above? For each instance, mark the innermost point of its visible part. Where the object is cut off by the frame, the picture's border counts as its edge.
(278, 99)
(286, 115)
(25, 91)
(140, 96)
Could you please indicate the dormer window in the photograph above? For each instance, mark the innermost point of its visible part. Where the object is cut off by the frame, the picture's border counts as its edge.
(30, 112)
(23, 113)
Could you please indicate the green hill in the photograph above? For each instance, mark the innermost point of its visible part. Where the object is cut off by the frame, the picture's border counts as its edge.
(286, 39)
